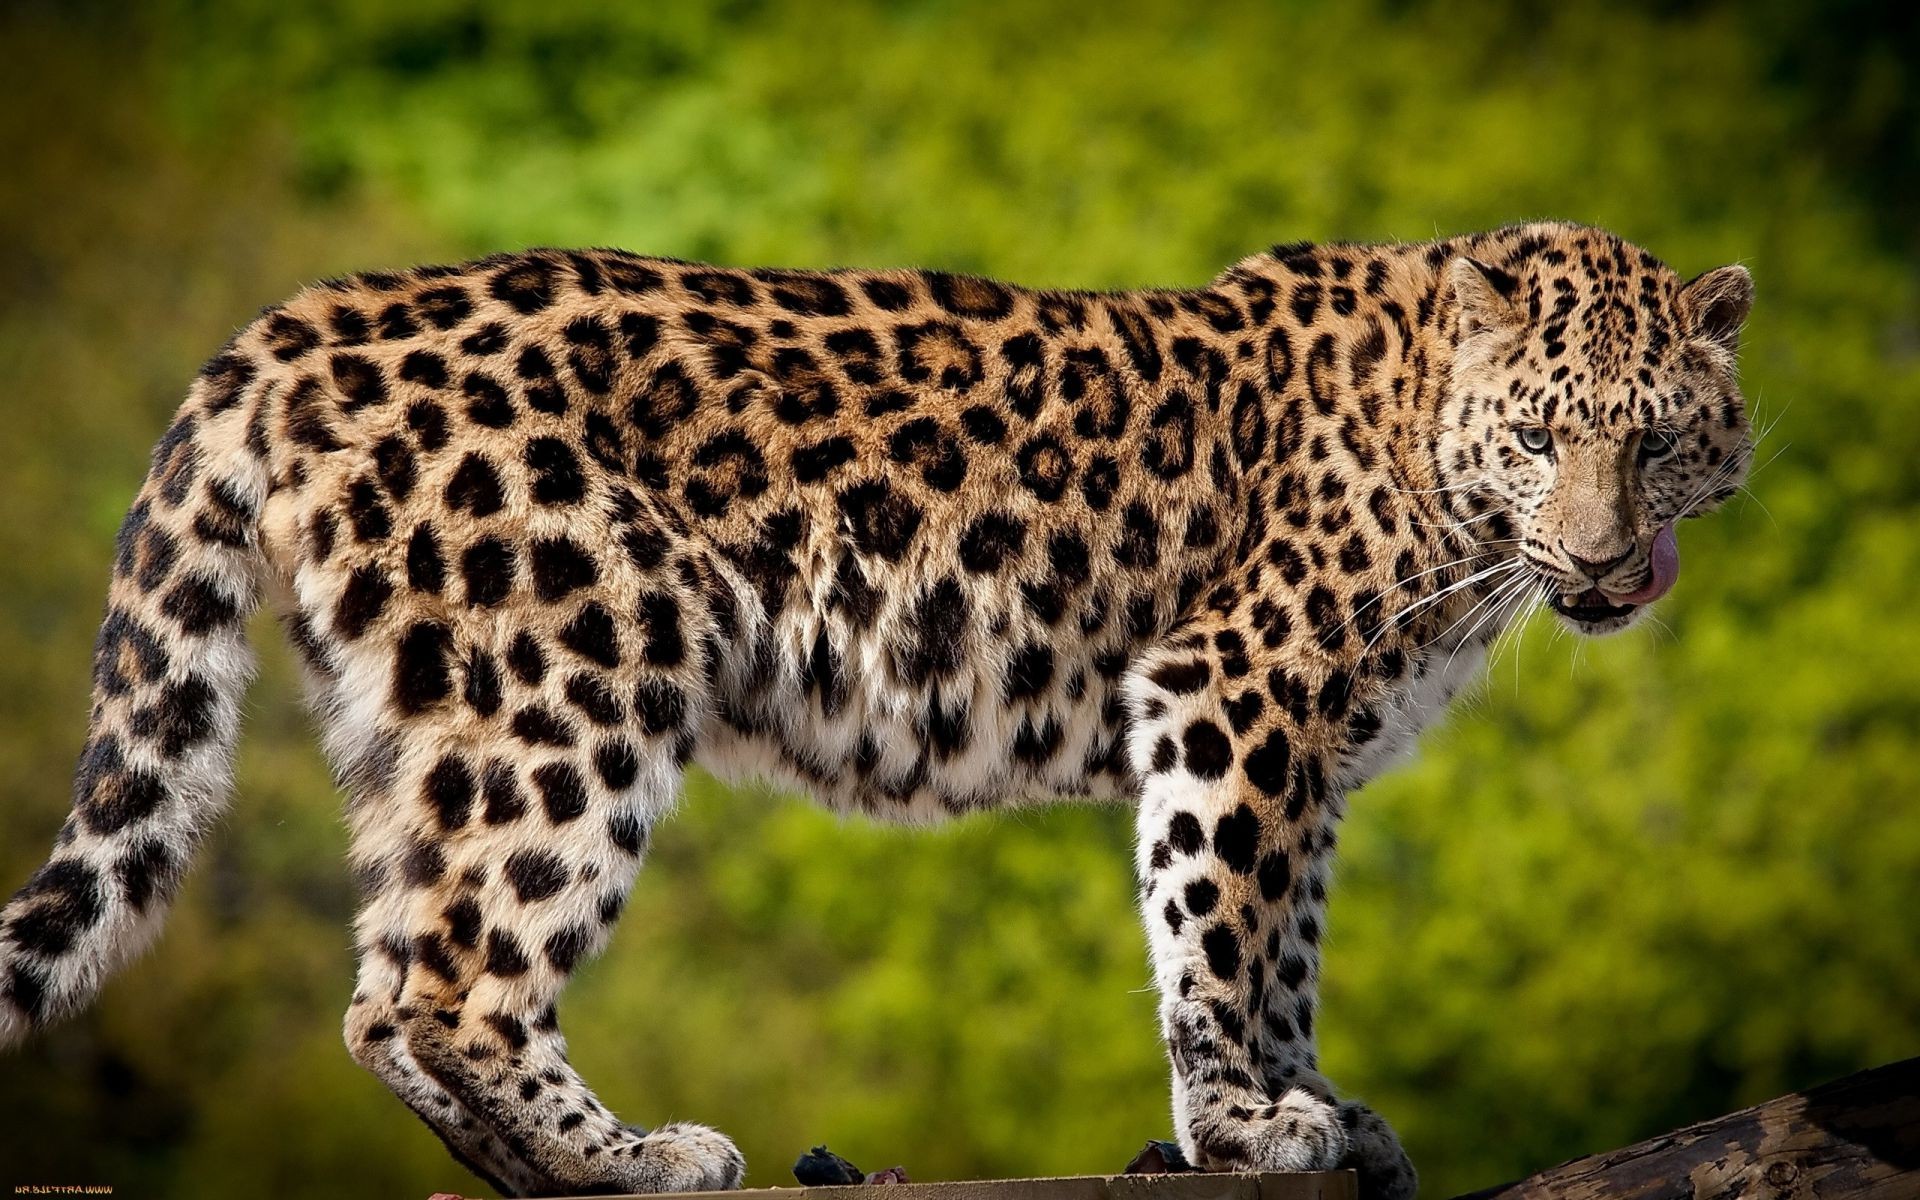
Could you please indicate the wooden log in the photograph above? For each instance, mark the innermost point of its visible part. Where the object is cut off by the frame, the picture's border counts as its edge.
(1856, 1138)
(1305, 1185)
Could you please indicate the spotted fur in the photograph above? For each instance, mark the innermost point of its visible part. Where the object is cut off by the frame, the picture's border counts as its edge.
(547, 527)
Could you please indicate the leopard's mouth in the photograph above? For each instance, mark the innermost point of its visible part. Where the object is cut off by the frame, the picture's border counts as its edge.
(1594, 611)
(1591, 610)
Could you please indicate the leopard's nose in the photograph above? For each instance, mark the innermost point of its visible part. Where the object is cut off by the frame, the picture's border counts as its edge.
(1596, 569)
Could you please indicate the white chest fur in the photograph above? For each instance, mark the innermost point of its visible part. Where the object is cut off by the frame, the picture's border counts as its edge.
(1438, 675)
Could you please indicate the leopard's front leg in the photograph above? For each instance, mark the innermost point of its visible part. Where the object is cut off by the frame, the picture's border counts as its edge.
(1236, 826)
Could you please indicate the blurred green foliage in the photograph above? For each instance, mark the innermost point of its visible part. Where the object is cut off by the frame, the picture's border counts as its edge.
(1633, 884)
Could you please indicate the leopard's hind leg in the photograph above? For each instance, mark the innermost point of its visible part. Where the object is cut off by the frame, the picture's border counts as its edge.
(499, 813)
(367, 761)
(506, 872)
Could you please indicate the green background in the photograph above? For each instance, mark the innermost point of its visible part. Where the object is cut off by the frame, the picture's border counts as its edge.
(1630, 884)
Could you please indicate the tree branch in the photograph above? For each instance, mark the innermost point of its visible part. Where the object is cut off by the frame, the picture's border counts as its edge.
(1857, 1138)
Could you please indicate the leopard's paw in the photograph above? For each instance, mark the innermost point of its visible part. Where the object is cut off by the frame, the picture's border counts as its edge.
(1298, 1132)
(683, 1157)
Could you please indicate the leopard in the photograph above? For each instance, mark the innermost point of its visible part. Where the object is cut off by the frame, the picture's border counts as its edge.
(549, 528)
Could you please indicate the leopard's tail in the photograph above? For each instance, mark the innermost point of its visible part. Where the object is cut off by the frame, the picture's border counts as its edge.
(169, 670)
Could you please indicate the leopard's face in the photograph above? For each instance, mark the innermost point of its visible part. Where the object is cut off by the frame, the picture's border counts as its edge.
(1595, 408)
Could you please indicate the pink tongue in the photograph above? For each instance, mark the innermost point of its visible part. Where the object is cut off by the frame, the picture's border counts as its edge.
(1664, 560)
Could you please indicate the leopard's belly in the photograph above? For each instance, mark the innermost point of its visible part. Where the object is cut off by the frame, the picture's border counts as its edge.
(872, 711)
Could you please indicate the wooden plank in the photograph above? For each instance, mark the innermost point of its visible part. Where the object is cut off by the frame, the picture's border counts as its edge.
(1856, 1138)
(1307, 1185)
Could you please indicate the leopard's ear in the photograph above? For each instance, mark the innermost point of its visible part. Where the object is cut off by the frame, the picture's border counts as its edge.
(1487, 297)
(1714, 306)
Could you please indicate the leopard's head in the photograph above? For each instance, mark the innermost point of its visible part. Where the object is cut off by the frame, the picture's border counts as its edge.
(1594, 405)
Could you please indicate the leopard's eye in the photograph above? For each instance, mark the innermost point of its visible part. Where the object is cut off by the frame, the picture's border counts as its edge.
(1534, 439)
(1654, 444)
